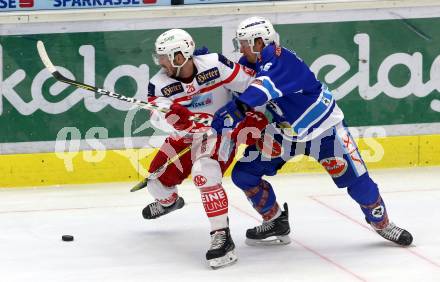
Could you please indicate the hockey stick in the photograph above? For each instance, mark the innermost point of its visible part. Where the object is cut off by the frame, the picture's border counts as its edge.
(145, 105)
(155, 174)
(58, 76)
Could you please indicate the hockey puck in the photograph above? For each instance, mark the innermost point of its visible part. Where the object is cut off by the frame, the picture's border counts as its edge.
(67, 238)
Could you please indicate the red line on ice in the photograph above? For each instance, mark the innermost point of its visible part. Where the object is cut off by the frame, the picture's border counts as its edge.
(410, 250)
(317, 253)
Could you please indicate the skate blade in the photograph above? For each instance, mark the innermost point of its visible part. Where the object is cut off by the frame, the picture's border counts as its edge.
(229, 259)
(270, 241)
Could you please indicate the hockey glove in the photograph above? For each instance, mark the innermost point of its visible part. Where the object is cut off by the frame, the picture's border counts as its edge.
(229, 115)
(249, 130)
(179, 116)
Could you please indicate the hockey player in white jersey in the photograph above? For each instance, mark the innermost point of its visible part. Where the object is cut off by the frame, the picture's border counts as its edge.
(195, 86)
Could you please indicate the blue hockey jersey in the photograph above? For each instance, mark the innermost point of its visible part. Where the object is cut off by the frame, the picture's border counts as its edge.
(244, 62)
(294, 97)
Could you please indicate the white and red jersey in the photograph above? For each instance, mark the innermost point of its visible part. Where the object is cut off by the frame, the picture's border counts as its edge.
(211, 88)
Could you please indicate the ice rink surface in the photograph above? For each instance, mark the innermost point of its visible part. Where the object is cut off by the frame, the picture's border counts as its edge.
(330, 239)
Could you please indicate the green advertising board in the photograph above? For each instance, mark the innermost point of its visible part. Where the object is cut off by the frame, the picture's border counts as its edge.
(384, 72)
(34, 107)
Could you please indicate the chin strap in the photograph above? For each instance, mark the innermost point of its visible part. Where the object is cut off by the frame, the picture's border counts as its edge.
(179, 67)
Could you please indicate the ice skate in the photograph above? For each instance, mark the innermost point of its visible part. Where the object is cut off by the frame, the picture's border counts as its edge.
(394, 234)
(221, 253)
(155, 210)
(274, 232)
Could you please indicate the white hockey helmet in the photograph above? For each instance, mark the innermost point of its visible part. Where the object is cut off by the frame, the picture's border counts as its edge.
(253, 28)
(172, 41)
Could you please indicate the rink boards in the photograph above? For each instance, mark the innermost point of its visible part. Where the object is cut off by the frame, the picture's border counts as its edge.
(381, 59)
(129, 165)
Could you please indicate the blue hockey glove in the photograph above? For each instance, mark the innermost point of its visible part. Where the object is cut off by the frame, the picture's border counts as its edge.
(228, 116)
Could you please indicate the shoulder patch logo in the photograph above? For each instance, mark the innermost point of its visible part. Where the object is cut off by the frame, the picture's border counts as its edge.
(225, 61)
(200, 180)
(207, 75)
(172, 89)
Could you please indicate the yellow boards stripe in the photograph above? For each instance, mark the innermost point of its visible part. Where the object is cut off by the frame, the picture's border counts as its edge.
(130, 165)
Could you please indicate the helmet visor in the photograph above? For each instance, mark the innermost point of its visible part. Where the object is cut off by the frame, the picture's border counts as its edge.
(160, 59)
(238, 44)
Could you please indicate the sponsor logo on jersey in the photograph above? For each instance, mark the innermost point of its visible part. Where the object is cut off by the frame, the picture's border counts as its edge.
(201, 101)
(249, 71)
(335, 166)
(207, 76)
(225, 61)
(172, 89)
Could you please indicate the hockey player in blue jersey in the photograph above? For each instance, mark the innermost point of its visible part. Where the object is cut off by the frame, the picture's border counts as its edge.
(305, 119)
